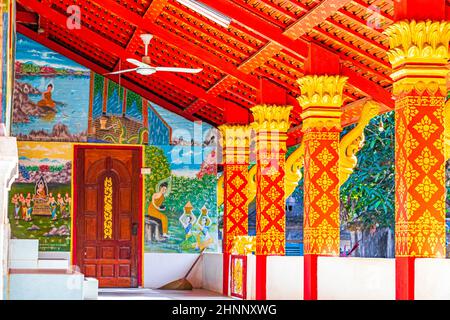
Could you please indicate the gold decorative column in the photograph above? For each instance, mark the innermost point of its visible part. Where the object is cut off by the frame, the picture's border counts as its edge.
(235, 146)
(419, 55)
(235, 139)
(321, 101)
(271, 124)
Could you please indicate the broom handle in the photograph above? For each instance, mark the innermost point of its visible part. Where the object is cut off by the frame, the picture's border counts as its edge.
(196, 260)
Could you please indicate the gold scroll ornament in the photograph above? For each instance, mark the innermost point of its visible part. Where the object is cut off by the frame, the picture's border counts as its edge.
(243, 245)
(107, 208)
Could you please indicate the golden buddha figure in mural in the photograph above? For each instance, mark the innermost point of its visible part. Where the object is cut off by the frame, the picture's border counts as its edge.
(41, 198)
(41, 189)
(47, 101)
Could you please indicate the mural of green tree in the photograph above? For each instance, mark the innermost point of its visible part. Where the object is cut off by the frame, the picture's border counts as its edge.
(185, 220)
(157, 161)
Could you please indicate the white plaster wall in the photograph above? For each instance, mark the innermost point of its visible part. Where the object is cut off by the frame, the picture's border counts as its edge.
(432, 279)
(55, 256)
(8, 173)
(162, 268)
(284, 278)
(355, 278)
(213, 272)
(251, 277)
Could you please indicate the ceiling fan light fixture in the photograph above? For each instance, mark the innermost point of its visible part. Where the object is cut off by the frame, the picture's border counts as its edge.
(207, 12)
(146, 38)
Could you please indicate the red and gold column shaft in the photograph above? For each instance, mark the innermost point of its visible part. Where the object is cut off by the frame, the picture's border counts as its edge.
(235, 143)
(321, 101)
(271, 124)
(418, 54)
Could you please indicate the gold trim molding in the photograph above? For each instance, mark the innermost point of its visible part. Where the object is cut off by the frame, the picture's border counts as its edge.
(321, 90)
(420, 85)
(235, 135)
(423, 42)
(271, 118)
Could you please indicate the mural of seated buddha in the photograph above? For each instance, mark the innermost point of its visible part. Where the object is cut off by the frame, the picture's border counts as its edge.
(47, 101)
(41, 207)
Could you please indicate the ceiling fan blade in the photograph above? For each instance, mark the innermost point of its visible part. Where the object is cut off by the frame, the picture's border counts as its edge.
(184, 70)
(138, 63)
(121, 71)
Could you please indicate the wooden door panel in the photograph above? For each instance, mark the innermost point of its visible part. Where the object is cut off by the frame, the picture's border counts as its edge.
(91, 199)
(124, 271)
(90, 270)
(125, 199)
(108, 253)
(124, 253)
(90, 227)
(108, 208)
(124, 228)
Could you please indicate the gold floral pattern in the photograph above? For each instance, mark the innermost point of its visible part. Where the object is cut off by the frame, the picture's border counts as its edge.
(107, 208)
(426, 160)
(425, 127)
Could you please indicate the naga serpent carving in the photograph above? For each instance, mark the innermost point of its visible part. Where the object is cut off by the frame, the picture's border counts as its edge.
(353, 141)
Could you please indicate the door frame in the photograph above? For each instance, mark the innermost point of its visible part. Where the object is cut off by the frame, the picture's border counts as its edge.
(140, 239)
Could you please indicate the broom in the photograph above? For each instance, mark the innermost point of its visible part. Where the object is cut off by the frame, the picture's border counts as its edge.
(183, 283)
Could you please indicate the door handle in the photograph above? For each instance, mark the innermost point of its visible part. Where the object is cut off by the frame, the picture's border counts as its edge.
(134, 229)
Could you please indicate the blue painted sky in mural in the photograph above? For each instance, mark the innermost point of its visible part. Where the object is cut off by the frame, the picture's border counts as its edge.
(182, 127)
(186, 161)
(31, 51)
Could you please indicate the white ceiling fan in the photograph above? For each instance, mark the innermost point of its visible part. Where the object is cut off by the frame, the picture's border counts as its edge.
(144, 68)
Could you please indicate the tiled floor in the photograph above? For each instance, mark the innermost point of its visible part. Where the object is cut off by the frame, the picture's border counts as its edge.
(154, 294)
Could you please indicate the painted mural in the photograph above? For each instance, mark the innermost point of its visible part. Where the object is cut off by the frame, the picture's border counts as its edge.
(187, 133)
(160, 129)
(40, 201)
(7, 54)
(181, 199)
(51, 95)
(116, 115)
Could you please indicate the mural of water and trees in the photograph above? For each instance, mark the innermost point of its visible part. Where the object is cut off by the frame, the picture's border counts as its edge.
(51, 95)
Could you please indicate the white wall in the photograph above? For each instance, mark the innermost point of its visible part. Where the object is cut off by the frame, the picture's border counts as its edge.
(284, 278)
(213, 272)
(55, 255)
(251, 277)
(8, 173)
(432, 279)
(355, 278)
(162, 268)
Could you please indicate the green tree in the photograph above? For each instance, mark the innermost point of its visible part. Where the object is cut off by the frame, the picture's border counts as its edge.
(157, 161)
(367, 197)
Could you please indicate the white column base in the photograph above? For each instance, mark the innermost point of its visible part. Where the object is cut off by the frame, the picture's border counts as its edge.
(9, 160)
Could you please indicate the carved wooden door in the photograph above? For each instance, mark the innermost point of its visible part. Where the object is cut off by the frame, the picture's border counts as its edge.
(107, 218)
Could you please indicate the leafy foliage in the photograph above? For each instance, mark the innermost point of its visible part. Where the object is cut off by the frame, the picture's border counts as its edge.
(199, 192)
(157, 161)
(368, 195)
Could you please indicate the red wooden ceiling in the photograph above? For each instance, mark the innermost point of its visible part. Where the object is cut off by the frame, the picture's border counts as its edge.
(266, 38)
